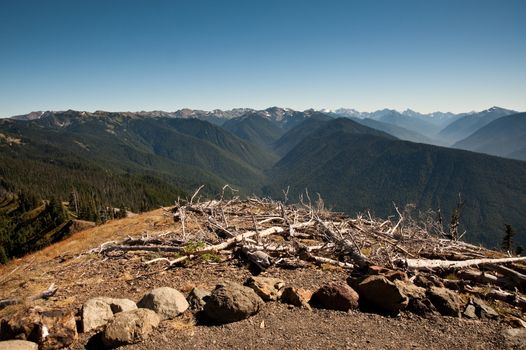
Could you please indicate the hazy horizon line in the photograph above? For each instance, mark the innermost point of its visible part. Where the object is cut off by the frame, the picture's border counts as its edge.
(324, 109)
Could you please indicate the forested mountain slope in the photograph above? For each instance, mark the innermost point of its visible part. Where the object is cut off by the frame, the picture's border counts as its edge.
(140, 162)
(360, 172)
(505, 137)
(135, 162)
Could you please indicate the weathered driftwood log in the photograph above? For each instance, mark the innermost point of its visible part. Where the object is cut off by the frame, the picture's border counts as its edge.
(518, 278)
(257, 257)
(42, 295)
(417, 264)
(216, 227)
(479, 277)
(347, 245)
(324, 260)
(240, 237)
(222, 246)
(510, 298)
(488, 279)
(147, 248)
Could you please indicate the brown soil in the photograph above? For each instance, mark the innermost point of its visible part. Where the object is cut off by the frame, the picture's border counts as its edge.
(277, 326)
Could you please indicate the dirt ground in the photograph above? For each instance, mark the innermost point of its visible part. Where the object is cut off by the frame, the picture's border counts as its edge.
(278, 326)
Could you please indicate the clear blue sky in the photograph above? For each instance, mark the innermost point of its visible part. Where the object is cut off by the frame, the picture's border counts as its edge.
(143, 55)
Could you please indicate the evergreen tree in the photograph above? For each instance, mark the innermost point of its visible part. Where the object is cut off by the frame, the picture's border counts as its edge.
(3, 256)
(507, 240)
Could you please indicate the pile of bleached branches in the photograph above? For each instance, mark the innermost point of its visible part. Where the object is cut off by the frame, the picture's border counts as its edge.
(269, 233)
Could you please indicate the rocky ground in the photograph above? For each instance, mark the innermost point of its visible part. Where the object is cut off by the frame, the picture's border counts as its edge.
(81, 275)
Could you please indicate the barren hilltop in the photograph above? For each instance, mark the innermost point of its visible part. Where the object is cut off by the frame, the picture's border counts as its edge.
(231, 273)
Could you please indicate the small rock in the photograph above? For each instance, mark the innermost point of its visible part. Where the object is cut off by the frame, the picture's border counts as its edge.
(391, 275)
(396, 275)
(335, 296)
(422, 281)
(447, 302)
(484, 311)
(355, 279)
(269, 289)
(130, 327)
(410, 290)
(296, 296)
(96, 313)
(259, 258)
(470, 311)
(167, 302)
(380, 293)
(421, 307)
(119, 305)
(18, 345)
(50, 329)
(515, 338)
(418, 302)
(515, 322)
(231, 302)
(197, 298)
(61, 328)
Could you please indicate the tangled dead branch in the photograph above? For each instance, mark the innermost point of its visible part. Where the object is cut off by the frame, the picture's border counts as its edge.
(42, 295)
(268, 233)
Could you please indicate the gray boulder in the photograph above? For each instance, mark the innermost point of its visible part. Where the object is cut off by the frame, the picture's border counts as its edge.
(95, 313)
(470, 312)
(130, 327)
(197, 298)
(418, 302)
(231, 302)
(447, 302)
(18, 345)
(119, 305)
(484, 310)
(167, 302)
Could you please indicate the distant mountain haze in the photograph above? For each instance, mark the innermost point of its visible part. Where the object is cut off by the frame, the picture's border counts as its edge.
(426, 125)
(398, 131)
(468, 124)
(505, 137)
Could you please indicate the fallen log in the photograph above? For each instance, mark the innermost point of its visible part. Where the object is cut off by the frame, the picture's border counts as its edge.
(147, 248)
(323, 260)
(257, 257)
(510, 298)
(518, 278)
(240, 237)
(42, 295)
(348, 245)
(487, 279)
(221, 246)
(479, 277)
(216, 227)
(417, 264)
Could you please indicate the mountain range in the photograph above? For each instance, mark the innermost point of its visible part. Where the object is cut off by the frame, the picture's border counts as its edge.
(356, 163)
(468, 124)
(505, 137)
